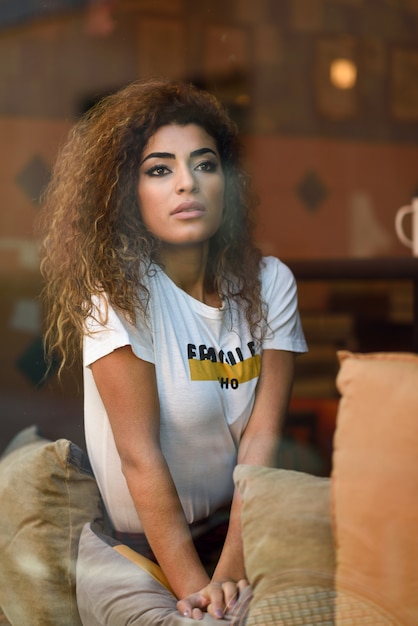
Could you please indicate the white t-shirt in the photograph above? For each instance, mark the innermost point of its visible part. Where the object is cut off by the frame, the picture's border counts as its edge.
(207, 366)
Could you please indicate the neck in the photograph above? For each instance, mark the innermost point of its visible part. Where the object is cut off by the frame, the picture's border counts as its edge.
(186, 267)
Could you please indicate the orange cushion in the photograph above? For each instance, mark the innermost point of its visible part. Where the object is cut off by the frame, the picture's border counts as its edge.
(375, 488)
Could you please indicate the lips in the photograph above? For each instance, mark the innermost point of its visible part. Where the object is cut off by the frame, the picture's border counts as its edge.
(189, 207)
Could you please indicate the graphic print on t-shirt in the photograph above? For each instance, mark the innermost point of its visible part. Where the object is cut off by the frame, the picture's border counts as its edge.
(229, 368)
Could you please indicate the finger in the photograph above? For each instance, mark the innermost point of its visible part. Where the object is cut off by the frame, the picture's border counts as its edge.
(197, 614)
(186, 606)
(242, 584)
(231, 592)
(216, 606)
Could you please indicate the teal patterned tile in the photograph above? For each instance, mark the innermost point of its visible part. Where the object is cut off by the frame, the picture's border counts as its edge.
(311, 190)
(33, 178)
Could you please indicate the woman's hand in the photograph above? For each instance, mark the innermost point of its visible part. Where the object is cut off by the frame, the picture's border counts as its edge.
(217, 598)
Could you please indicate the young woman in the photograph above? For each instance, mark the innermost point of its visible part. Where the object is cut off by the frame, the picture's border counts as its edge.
(188, 334)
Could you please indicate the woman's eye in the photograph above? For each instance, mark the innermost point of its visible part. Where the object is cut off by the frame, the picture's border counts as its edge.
(158, 170)
(207, 166)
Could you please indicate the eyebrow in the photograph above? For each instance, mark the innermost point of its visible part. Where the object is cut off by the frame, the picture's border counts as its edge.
(170, 155)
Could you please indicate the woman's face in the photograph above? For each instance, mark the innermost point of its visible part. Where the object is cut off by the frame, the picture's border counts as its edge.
(181, 185)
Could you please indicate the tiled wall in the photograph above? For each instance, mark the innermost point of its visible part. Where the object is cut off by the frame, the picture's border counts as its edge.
(331, 198)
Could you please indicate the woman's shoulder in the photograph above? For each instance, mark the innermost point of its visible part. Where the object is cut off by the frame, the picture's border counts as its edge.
(272, 269)
(277, 280)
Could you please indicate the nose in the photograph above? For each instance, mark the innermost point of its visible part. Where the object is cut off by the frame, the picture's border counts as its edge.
(186, 181)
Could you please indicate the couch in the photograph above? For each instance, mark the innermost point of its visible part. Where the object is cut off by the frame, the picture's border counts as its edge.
(337, 550)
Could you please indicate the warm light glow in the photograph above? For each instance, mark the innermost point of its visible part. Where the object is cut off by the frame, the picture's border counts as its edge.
(243, 99)
(343, 73)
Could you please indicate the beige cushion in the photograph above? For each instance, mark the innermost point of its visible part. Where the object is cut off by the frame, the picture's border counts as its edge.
(375, 486)
(288, 545)
(47, 493)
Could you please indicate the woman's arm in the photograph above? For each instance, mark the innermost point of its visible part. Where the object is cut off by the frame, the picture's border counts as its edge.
(128, 389)
(259, 446)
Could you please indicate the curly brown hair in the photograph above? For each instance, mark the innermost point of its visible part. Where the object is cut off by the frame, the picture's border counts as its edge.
(93, 237)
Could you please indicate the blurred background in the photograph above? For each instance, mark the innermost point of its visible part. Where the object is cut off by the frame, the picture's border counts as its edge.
(326, 95)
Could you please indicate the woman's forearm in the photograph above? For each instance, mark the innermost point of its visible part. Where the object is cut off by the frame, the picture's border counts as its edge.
(231, 562)
(260, 449)
(165, 525)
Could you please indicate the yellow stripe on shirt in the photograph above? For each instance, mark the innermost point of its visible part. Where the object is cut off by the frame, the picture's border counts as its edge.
(243, 371)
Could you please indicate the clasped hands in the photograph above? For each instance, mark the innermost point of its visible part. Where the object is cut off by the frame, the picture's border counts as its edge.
(217, 599)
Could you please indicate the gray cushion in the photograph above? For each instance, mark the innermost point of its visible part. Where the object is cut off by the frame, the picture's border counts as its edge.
(111, 589)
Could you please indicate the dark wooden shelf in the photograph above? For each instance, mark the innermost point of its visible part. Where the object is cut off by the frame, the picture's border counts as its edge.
(344, 269)
(396, 268)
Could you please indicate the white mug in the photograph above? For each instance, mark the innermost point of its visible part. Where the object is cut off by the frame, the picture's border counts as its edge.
(411, 242)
